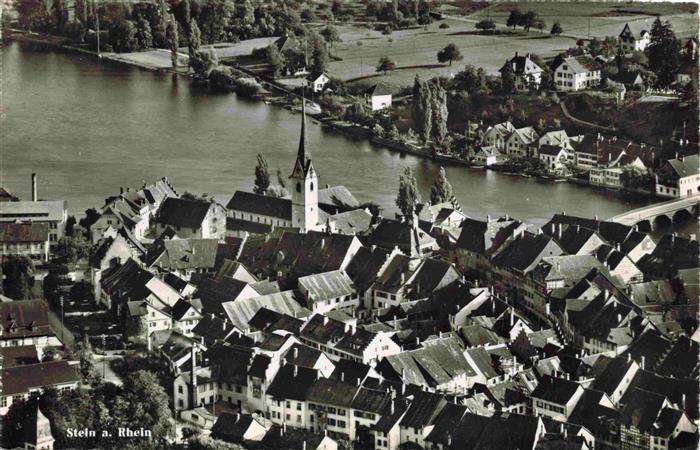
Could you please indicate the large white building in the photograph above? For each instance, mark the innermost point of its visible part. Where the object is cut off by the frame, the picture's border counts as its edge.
(577, 73)
(679, 177)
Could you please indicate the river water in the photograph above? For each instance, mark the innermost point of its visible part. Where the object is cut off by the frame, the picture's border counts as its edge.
(87, 128)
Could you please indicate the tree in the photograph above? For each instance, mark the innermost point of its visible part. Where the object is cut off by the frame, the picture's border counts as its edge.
(408, 196)
(556, 29)
(122, 36)
(595, 47)
(148, 403)
(319, 60)
(194, 40)
(262, 176)
(331, 35)
(59, 15)
(663, 53)
(449, 53)
(203, 62)
(441, 190)
(275, 59)
(439, 111)
(514, 18)
(507, 79)
(485, 25)
(87, 368)
(173, 40)
(19, 276)
(422, 109)
(91, 216)
(32, 14)
(74, 248)
(81, 11)
(385, 65)
(70, 226)
(144, 37)
(528, 20)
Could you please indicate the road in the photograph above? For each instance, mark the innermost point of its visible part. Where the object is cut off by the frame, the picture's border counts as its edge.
(63, 333)
(105, 371)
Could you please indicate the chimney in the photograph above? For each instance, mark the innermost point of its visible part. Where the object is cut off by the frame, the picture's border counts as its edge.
(325, 320)
(342, 376)
(358, 381)
(193, 374)
(296, 352)
(683, 401)
(34, 189)
(121, 190)
(296, 371)
(643, 361)
(512, 316)
(516, 54)
(238, 417)
(392, 407)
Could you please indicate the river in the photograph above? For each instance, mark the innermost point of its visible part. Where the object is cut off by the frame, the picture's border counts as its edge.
(87, 128)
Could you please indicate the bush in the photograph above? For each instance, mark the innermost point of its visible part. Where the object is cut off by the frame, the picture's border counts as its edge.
(444, 26)
(247, 87)
(223, 78)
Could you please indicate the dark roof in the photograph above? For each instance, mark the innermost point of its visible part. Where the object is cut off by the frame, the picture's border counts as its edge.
(215, 291)
(231, 427)
(182, 213)
(24, 232)
(446, 423)
(238, 225)
(682, 360)
(334, 392)
(612, 376)
(523, 252)
(364, 267)
(671, 254)
(212, 328)
(614, 233)
(263, 205)
(555, 390)
(485, 237)
(394, 275)
(20, 379)
(378, 89)
(522, 65)
(641, 409)
(292, 383)
(25, 318)
(259, 366)
(18, 356)
(302, 355)
(423, 410)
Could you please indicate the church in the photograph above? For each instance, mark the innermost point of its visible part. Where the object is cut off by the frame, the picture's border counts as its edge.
(308, 207)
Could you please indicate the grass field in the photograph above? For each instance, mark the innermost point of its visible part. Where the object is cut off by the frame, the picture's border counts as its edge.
(414, 50)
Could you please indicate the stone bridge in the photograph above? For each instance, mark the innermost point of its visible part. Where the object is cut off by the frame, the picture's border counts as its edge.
(660, 215)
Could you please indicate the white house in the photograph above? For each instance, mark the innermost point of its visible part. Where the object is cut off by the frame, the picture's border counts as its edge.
(319, 82)
(679, 177)
(520, 141)
(577, 73)
(497, 134)
(528, 75)
(378, 97)
(488, 155)
(634, 38)
(554, 157)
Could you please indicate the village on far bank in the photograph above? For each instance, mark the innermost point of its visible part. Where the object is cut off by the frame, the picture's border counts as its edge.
(297, 316)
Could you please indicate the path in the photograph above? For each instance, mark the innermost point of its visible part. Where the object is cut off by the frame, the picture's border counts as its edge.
(582, 122)
(68, 338)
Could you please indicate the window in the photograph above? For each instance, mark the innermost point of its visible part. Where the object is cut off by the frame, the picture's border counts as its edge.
(312, 186)
(179, 389)
(298, 187)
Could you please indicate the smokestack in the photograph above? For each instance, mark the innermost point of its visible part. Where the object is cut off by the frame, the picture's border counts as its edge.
(34, 189)
(194, 376)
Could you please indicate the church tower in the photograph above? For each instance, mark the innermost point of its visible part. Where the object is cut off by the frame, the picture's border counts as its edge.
(304, 185)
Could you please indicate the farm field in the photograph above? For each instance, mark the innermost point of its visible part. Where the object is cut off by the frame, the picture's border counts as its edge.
(414, 50)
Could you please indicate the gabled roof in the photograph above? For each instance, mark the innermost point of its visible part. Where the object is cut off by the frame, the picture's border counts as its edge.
(556, 390)
(522, 65)
(525, 251)
(184, 254)
(22, 379)
(241, 311)
(364, 267)
(263, 205)
(378, 89)
(551, 150)
(182, 213)
(424, 408)
(292, 383)
(25, 318)
(581, 64)
(327, 285)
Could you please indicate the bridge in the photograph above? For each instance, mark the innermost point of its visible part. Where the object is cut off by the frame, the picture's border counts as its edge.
(661, 214)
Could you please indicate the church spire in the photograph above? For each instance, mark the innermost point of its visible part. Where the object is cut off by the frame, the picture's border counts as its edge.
(301, 154)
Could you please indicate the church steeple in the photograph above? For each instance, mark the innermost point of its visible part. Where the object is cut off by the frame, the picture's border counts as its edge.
(304, 183)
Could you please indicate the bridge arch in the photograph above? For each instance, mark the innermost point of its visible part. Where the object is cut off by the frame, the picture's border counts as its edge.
(663, 222)
(682, 216)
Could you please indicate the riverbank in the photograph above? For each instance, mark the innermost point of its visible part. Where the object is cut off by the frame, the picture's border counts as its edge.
(291, 102)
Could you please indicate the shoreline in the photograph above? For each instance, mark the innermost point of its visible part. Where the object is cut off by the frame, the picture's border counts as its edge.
(352, 131)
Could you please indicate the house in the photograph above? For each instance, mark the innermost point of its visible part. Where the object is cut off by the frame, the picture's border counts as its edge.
(262, 209)
(528, 75)
(577, 73)
(297, 439)
(556, 137)
(555, 398)
(378, 97)
(496, 135)
(630, 78)
(191, 218)
(21, 381)
(109, 252)
(520, 142)
(340, 340)
(242, 310)
(488, 155)
(679, 177)
(318, 81)
(132, 209)
(634, 37)
(419, 420)
(554, 157)
(404, 234)
(26, 322)
(52, 213)
(239, 428)
(480, 240)
(329, 290)
(25, 239)
(183, 257)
